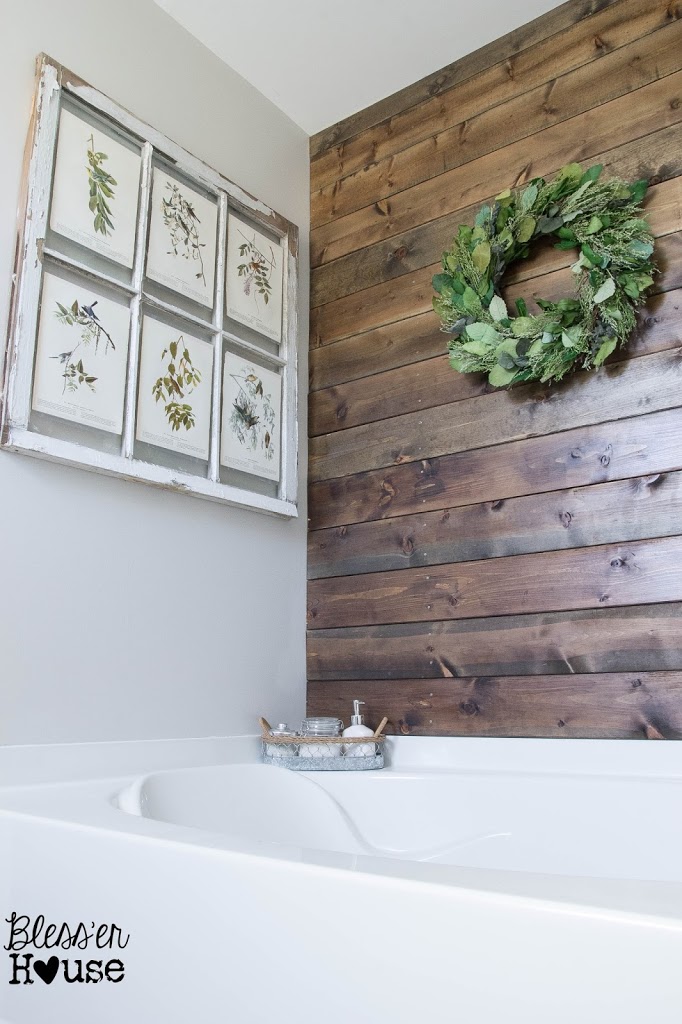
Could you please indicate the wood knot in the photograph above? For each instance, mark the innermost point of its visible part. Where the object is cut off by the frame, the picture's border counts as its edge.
(407, 545)
(576, 453)
(400, 253)
(599, 43)
(616, 563)
(636, 683)
(386, 492)
(444, 518)
(469, 707)
(452, 601)
(566, 519)
(436, 85)
(495, 505)
(675, 103)
(341, 411)
(343, 531)
(605, 457)
(561, 723)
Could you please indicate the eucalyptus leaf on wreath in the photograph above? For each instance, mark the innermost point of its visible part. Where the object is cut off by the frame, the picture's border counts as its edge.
(613, 272)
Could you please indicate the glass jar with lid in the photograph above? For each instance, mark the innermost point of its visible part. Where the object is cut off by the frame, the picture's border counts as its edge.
(281, 749)
(320, 727)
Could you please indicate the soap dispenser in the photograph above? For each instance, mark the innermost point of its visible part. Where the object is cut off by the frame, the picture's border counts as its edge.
(358, 728)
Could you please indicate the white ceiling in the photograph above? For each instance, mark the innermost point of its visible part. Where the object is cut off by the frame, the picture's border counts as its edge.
(321, 60)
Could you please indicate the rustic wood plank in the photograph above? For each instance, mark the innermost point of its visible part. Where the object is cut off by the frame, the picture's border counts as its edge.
(640, 572)
(643, 445)
(416, 386)
(640, 638)
(433, 382)
(407, 341)
(422, 246)
(499, 50)
(617, 512)
(474, 132)
(625, 705)
(581, 138)
(412, 294)
(361, 311)
(647, 384)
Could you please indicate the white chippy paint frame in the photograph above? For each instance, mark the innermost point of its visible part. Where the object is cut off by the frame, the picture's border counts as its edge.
(32, 253)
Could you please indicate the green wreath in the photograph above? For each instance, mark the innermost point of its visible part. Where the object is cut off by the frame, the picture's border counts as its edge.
(613, 272)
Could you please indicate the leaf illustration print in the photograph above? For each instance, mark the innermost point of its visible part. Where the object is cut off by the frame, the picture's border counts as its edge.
(180, 379)
(257, 269)
(91, 332)
(102, 186)
(182, 222)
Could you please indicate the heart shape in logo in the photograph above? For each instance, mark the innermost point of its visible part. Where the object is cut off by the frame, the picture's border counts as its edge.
(46, 971)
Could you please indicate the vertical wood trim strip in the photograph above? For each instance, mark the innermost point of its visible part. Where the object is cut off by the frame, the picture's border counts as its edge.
(19, 365)
(136, 304)
(218, 316)
(288, 486)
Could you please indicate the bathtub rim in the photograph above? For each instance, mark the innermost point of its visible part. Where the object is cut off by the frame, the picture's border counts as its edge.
(90, 806)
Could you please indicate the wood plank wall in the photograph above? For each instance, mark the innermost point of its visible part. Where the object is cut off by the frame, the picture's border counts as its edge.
(505, 563)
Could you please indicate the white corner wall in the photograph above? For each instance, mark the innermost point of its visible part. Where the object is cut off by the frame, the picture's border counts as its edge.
(106, 630)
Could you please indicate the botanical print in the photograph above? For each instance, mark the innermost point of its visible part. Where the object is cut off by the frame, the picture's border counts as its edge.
(174, 391)
(182, 222)
(182, 238)
(179, 378)
(81, 355)
(95, 191)
(90, 332)
(257, 270)
(251, 424)
(254, 279)
(101, 188)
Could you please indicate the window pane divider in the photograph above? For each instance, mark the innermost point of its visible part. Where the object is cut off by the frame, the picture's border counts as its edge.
(249, 347)
(60, 259)
(130, 407)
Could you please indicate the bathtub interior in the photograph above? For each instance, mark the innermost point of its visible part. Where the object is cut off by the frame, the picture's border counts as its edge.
(616, 827)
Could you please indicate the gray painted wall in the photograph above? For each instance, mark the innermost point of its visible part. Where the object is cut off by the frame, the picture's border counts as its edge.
(98, 639)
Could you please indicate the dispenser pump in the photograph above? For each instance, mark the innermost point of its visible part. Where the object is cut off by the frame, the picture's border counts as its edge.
(356, 717)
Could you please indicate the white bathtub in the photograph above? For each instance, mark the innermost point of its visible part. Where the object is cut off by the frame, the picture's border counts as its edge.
(460, 883)
(575, 825)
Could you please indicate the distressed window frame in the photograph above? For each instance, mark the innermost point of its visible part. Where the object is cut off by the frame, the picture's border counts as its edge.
(32, 256)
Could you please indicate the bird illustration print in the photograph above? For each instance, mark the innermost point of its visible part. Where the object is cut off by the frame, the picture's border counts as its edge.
(253, 416)
(92, 330)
